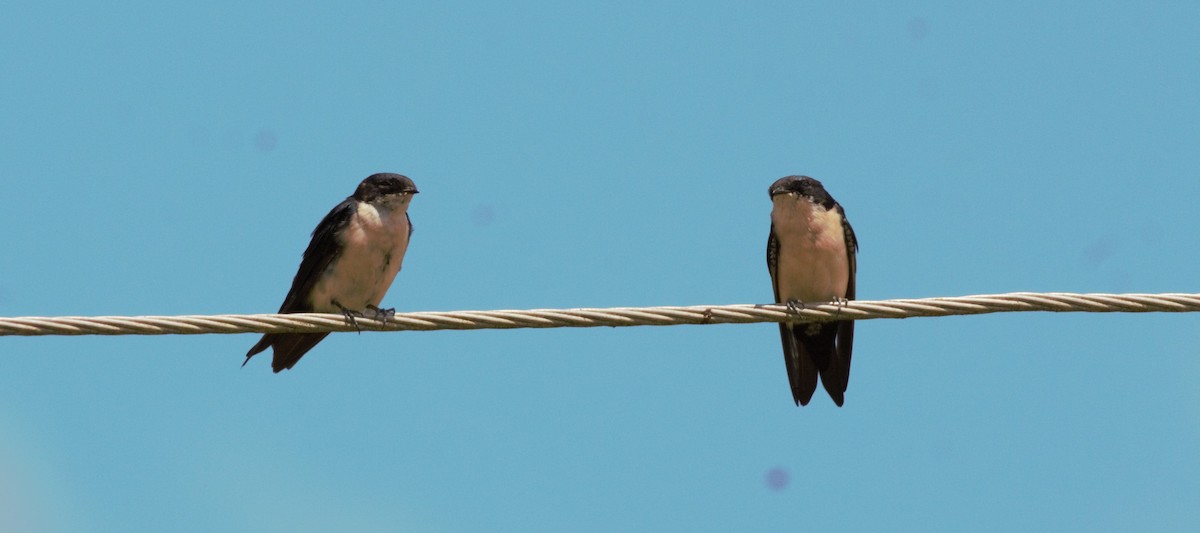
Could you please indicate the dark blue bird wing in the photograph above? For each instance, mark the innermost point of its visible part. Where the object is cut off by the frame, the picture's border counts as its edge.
(322, 251)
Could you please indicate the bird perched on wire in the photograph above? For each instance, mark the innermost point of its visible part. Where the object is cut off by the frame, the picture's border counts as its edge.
(811, 258)
(351, 261)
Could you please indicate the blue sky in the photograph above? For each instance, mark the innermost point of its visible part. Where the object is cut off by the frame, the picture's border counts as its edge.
(172, 159)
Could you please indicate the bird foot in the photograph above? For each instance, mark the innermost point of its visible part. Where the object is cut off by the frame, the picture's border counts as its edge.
(840, 303)
(382, 315)
(794, 306)
(351, 315)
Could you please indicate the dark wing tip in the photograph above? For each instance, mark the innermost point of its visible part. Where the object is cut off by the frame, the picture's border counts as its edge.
(262, 344)
(801, 401)
(291, 347)
(802, 394)
(285, 361)
(802, 378)
(838, 398)
(804, 382)
(834, 376)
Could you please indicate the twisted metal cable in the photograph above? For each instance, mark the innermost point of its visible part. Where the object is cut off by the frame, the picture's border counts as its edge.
(614, 316)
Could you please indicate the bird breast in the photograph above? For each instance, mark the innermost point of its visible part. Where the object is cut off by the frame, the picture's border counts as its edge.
(373, 246)
(813, 265)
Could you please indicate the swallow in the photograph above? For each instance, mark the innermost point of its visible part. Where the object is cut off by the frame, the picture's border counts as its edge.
(811, 258)
(354, 255)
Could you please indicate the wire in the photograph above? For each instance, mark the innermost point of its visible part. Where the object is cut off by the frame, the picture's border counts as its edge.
(613, 316)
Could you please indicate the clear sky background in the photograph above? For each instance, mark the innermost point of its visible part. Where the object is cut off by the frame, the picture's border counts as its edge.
(163, 159)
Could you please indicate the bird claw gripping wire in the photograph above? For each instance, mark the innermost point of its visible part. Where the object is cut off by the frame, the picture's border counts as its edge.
(380, 314)
(351, 315)
(795, 306)
(840, 303)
